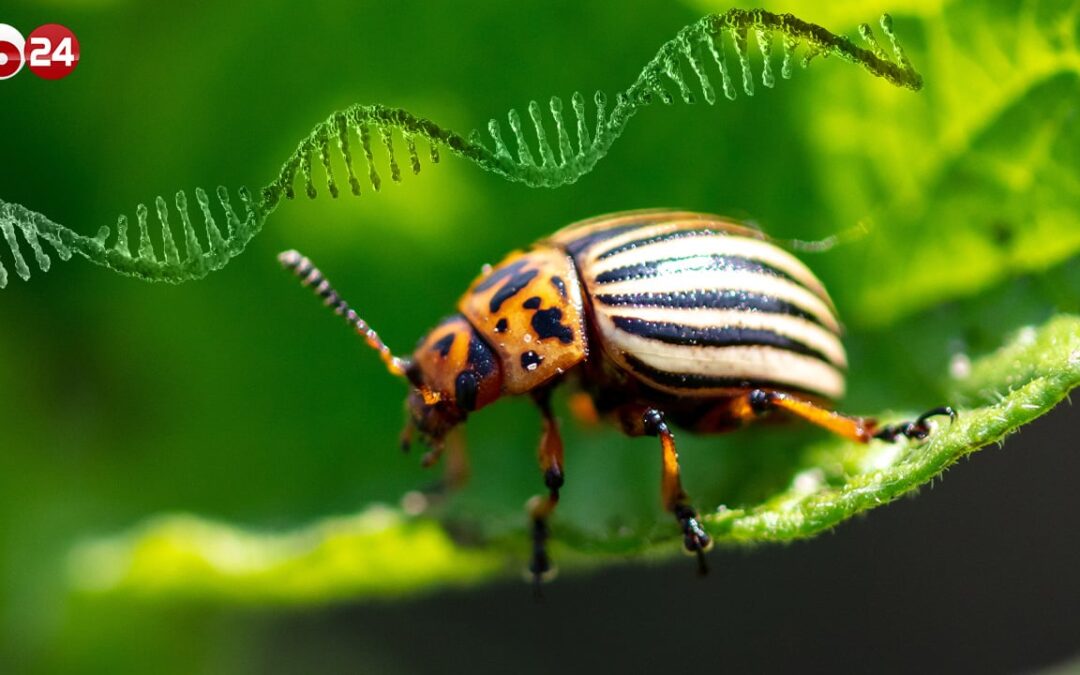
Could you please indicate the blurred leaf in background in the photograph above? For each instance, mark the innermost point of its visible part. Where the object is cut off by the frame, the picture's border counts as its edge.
(239, 400)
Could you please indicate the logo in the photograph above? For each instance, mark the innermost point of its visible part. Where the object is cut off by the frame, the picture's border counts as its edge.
(11, 51)
(51, 51)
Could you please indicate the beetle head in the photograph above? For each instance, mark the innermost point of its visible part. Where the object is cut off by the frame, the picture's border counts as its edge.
(452, 373)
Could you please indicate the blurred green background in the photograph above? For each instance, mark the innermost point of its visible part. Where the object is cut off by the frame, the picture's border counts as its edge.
(239, 398)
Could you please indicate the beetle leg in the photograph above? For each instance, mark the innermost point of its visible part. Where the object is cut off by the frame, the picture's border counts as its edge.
(583, 409)
(861, 429)
(695, 539)
(541, 507)
(456, 463)
(917, 430)
(456, 471)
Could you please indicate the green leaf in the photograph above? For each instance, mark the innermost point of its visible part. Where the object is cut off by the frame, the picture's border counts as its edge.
(1025, 378)
(354, 556)
(381, 552)
(983, 168)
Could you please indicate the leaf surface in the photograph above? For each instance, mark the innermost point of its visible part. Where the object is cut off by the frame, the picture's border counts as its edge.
(382, 552)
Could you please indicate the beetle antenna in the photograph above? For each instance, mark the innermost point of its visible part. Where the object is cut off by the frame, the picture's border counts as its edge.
(310, 276)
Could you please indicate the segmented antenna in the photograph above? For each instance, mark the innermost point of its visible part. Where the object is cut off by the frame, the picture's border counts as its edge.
(311, 277)
(553, 152)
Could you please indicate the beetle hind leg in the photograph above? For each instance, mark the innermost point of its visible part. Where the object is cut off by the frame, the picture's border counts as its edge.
(917, 430)
(861, 429)
(541, 507)
(695, 539)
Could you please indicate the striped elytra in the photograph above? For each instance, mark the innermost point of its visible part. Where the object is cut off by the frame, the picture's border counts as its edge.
(697, 306)
(662, 318)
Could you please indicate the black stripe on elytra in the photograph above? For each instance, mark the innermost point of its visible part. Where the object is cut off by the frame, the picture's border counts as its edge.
(691, 263)
(499, 275)
(559, 285)
(666, 236)
(510, 288)
(697, 381)
(709, 299)
(548, 324)
(584, 242)
(714, 336)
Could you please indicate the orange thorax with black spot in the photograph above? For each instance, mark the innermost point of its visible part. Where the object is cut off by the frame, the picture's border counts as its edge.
(528, 308)
(458, 364)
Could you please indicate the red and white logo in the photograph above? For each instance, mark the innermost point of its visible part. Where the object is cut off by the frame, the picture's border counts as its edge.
(11, 51)
(51, 51)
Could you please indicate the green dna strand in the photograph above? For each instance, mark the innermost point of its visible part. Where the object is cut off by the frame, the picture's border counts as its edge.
(684, 68)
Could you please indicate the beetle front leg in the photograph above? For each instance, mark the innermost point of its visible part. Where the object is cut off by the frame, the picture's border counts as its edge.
(455, 457)
(651, 423)
(541, 507)
(861, 429)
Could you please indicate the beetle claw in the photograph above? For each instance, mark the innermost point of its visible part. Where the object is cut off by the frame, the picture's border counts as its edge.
(696, 541)
(917, 430)
(540, 567)
(943, 410)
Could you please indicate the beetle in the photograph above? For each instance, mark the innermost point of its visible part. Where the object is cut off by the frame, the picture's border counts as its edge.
(662, 318)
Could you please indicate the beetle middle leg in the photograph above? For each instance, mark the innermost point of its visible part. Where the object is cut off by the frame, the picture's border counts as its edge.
(541, 507)
(861, 429)
(650, 421)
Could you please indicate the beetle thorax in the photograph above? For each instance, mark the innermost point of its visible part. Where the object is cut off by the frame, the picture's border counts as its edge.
(529, 309)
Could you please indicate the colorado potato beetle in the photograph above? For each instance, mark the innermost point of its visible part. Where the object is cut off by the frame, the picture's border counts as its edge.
(662, 318)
